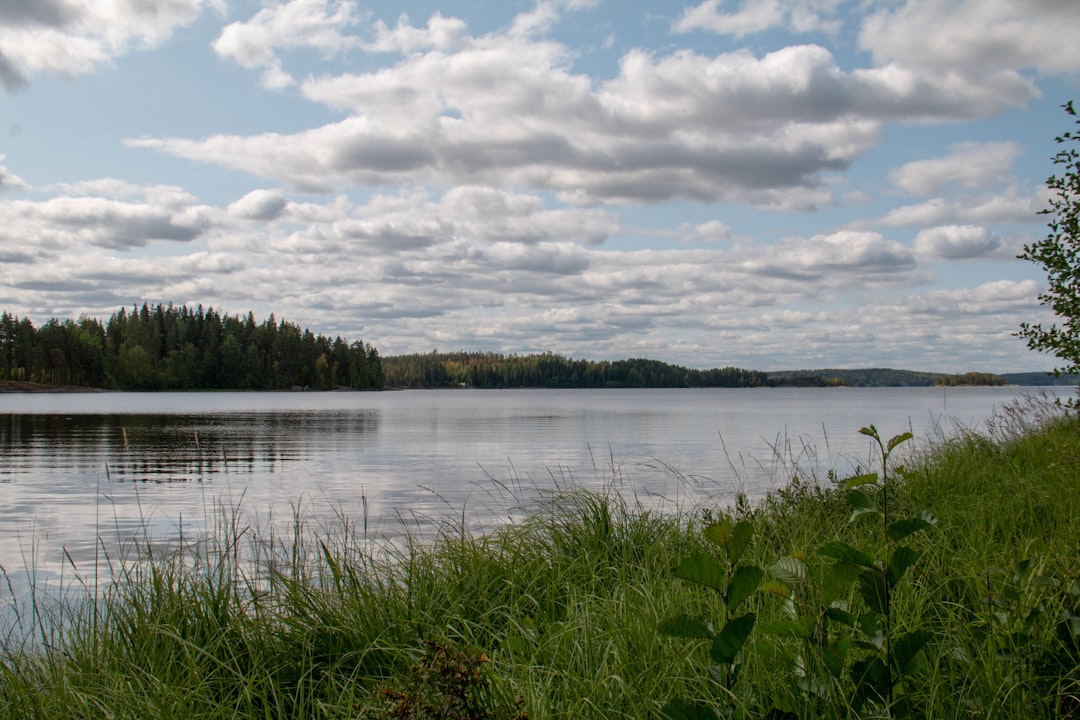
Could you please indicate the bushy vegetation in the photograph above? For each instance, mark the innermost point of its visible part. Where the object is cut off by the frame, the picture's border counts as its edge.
(568, 613)
(163, 347)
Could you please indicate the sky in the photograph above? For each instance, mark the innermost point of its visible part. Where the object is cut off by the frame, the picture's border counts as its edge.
(769, 184)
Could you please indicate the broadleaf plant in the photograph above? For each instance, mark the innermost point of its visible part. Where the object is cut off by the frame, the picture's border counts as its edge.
(733, 584)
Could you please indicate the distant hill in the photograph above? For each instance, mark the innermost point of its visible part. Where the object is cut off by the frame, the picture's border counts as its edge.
(1040, 379)
(890, 377)
(866, 377)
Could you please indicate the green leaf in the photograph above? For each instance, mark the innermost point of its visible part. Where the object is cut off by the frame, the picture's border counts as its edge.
(871, 680)
(730, 639)
(846, 553)
(863, 502)
(906, 652)
(904, 708)
(862, 499)
(775, 587)
(856, 514)
(835, 654)
(789, 569)
(869, 431)
(686, 626)
(1022, 570)
(874, 591)
(740, 540)
(960, 655)
(743, 583)
(841, 616)
(841, 576)
(703, 569)
(784, 628)
(770, 652)
(719, 533)
(896, 440)
(859, 480)
(680, 709)
(900, 529)
(903, 558)
(868, 623)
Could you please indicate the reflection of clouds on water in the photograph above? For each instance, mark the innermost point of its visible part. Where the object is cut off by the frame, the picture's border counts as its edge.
(98, 490)
(93, 481)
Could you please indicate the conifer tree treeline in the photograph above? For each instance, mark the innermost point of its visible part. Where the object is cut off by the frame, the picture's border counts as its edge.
(487, 370)
(548, 370)
(162, 347)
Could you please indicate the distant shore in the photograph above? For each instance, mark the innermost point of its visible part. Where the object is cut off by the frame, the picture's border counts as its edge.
(21, 386)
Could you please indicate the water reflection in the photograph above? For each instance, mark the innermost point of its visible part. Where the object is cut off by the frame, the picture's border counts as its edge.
(84, 477)
(174, 448)
(82, 490)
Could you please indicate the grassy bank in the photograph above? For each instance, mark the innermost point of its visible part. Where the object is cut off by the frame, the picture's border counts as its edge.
(558, 615)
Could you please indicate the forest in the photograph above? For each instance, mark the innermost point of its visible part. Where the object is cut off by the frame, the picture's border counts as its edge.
(547, 370)
(889, 377)
(167, 347)
(488, 370)
(163, 347)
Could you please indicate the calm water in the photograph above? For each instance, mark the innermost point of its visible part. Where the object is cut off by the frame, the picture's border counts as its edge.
(88, 473)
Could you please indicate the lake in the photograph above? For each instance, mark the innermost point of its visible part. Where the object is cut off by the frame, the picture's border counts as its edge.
(92, 474)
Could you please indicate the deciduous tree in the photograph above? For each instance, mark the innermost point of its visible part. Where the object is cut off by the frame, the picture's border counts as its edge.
(1059, 255)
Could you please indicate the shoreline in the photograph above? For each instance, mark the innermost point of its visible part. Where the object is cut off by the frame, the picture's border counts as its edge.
(23, 386)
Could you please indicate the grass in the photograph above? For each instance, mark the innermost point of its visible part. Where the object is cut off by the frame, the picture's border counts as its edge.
(556, 616)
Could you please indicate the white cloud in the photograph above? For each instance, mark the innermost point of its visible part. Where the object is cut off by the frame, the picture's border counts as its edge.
(506, 109)
(290, 25)
(990, 298)
(756, 16)
(1011, 208)
(975, 50)
(482, 268)
(957, 242)
(263, 205)
(903, 93)
(474, 216)
(549, 258)
(74, 37)
(9, 180)
(168, 196)
(492, 156)
(18, 13)
(833, 258)
(976, 38)
(968, 164)
(62, 223)
(525, 121)
(441, 33)
(709, 231)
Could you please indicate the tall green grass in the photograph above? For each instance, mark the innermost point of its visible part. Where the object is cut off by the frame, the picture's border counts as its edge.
(563, 607)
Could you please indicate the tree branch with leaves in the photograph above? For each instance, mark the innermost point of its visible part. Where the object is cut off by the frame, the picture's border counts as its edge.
(1059, 254)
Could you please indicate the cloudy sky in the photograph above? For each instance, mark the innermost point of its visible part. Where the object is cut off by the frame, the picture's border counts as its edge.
(770, 184)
